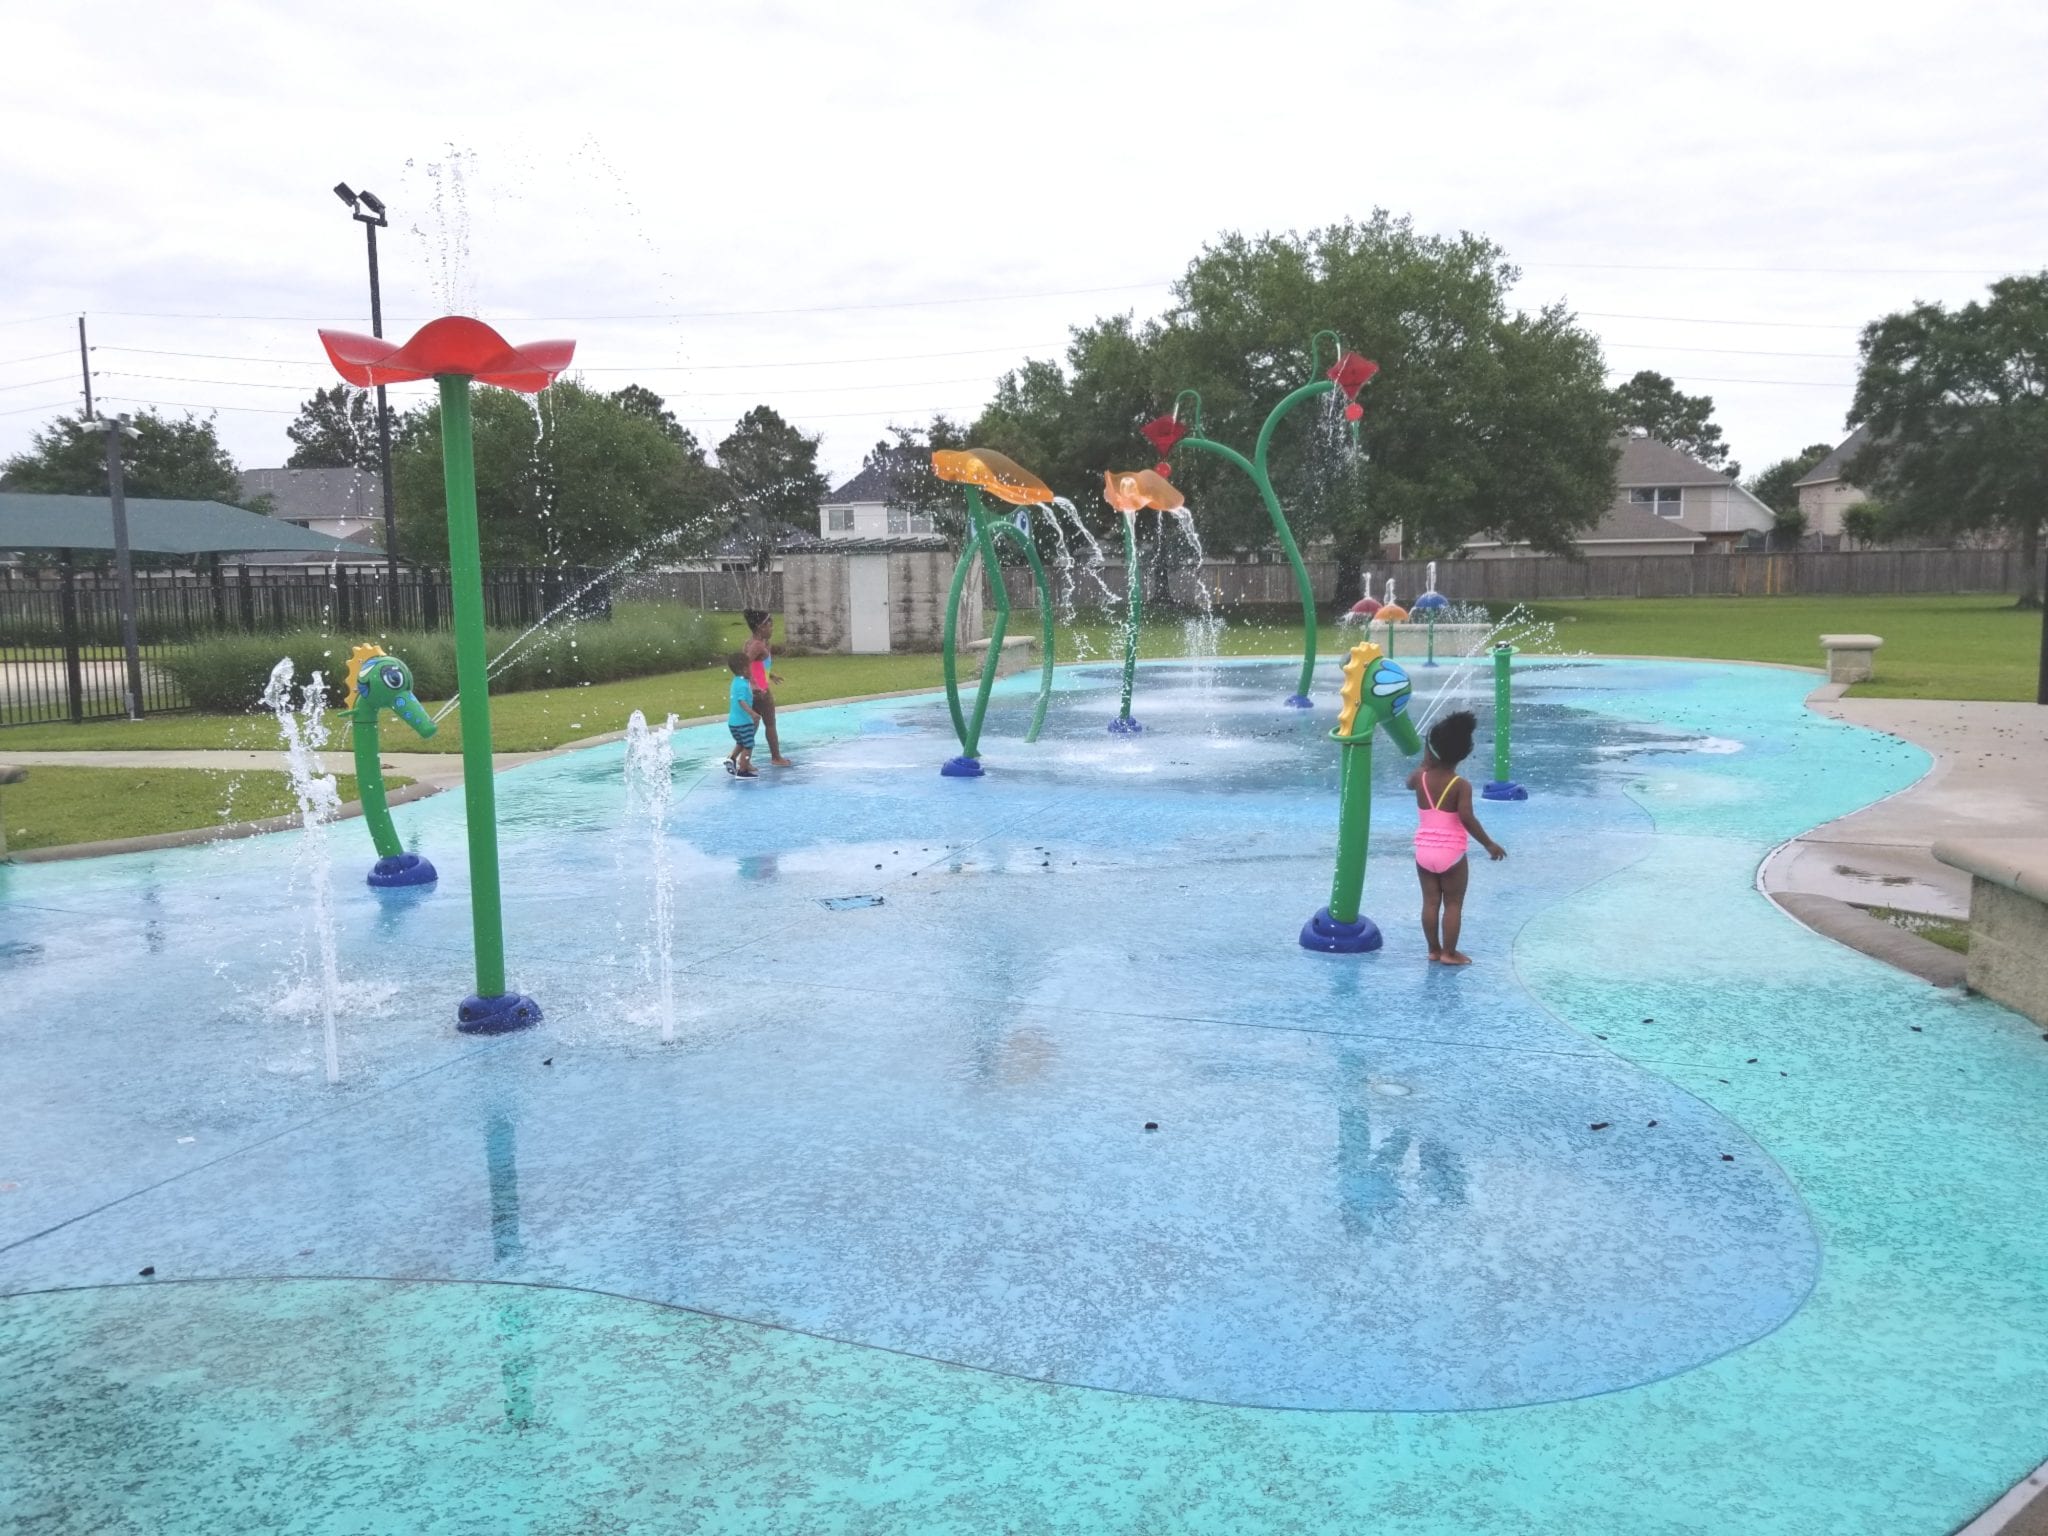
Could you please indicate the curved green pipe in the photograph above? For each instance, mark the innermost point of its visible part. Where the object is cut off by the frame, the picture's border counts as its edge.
(1134, 589)
(980, 543)
(1044, 586)
(1255, 470)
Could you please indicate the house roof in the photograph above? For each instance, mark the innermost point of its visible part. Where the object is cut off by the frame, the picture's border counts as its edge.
(889, 544)
(874, 481)
(1830, 468)
(1645, 461)
(30, 520)
(302, 495)
(1624, 522)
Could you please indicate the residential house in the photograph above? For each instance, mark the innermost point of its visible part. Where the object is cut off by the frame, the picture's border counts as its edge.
(1665, 503)
(340, 503)
(1824, 493)
(345, 504)
(860, 509)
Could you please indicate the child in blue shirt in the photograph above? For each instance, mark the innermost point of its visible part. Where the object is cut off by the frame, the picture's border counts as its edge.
(741, 719)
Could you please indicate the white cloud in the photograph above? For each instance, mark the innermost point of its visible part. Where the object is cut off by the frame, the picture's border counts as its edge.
(638, 160)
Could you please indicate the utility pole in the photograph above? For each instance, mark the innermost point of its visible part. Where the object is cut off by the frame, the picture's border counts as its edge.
(372, 221)
(117, 428)
(84, 367)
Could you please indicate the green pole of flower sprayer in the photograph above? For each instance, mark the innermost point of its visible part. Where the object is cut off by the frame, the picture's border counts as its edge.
(1502, 787)
(472, 681)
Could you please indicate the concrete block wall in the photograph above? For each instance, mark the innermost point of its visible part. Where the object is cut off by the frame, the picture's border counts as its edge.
(2009, 948)
(814, 601)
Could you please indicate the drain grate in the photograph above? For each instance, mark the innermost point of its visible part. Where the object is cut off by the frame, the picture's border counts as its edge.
(848, 903)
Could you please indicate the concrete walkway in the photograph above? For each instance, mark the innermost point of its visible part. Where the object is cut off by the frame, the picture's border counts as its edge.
(1989, 780)
(439, 770)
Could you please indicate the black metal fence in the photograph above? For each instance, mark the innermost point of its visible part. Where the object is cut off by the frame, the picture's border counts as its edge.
(61, 656)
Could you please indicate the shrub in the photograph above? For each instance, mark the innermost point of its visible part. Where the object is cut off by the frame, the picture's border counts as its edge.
(226, 673)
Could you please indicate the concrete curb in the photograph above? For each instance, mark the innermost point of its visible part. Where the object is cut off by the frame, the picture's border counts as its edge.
(195, 835)
(1873, 936)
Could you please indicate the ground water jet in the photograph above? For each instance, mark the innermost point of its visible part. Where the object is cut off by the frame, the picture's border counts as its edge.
(650, 787)
(319, 800)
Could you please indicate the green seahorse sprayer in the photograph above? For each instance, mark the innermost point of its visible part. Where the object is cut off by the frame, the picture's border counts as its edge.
(1376, 694)
(377, 682)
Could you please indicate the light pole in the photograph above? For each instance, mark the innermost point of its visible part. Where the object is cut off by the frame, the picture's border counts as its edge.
(116, 428)
(368, 211)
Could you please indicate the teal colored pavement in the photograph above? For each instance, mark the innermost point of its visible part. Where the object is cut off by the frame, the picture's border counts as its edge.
(1668, 1216)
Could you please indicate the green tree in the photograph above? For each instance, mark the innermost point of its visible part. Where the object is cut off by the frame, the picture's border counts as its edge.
(1652, 405)
(769, 473)
(179, 459)
(1957, 406)
(1867, 523)
(567, 477)
(639, 400)
(1776, 487)
(335, 429)
(1481, 421)
(912, 485)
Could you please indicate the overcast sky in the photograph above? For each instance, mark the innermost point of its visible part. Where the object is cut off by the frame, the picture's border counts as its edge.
(858, 213)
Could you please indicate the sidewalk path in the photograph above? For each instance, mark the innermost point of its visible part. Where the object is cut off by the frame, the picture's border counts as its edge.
(441, 770)
(1989, 780)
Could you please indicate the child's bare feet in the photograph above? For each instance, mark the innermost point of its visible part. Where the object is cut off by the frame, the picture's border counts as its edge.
(1435, 955)
(782, 762)
(1454, 957)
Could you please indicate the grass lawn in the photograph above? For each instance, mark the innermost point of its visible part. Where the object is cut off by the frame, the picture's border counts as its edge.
(1979, 647)
(54, 806)
(1935, 647)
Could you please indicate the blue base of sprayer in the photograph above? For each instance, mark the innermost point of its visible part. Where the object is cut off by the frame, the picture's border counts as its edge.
(498, 1015)
(1300, 701)
(401, 869)
(961, 768)
(1124, 725)
(1503, 789)
(1325, 933)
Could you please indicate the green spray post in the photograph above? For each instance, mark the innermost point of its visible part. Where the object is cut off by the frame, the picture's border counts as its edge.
(1376, 695)
(454, 351)
(979, 469)
(1503, 787)
(1349, 373)
(1130, 492)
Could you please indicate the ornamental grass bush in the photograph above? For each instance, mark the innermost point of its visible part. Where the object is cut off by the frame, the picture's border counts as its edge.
(226, 674)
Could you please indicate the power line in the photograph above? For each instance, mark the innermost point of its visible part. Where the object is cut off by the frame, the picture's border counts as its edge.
(803, 362)
(1644, 266)
(38, 358)
(271, 410)
(32, 383)
(1794, 325)
(1699, 378)
(829, 389)
(54, 405)
(1659, 346)
(33, 319)
(672, 314)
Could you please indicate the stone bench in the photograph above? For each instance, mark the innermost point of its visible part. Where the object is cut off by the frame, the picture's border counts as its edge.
(1017, 653)
(1851, 658)
(2008, 919)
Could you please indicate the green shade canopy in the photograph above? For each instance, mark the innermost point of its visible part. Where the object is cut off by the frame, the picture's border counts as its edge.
(33, 521)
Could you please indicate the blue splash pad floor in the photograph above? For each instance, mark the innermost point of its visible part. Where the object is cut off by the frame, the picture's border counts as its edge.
(923, 1268)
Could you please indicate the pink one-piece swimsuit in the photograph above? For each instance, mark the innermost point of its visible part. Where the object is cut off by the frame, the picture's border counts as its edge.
(1440, 840)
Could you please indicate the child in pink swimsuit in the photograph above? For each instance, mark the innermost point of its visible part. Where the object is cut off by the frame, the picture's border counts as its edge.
(1445, 802)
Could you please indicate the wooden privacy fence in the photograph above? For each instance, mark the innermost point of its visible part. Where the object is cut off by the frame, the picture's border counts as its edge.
(1871, 572)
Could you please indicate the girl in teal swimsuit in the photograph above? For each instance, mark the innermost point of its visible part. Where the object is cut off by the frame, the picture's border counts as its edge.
(1445, 802)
